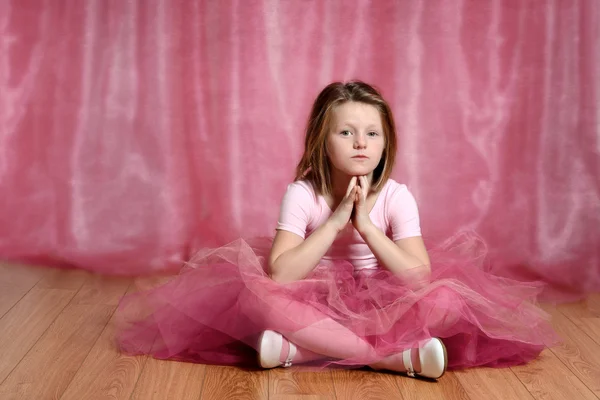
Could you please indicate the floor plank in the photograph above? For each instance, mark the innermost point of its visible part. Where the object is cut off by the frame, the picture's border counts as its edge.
(492, 384)
(15, 282)
(234, 384)
(106, 372)
(26, 322)
(299, 397)
(578, 351)
(53, 317)
(548, 378)
(70, 279)
(47, 369)
(365, 385)
(585, 314)
(102, 290)
(293, 382)
(447, 387)
(169, 380)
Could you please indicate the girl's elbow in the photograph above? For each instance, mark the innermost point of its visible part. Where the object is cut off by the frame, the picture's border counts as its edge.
(416, 278)
(423, 277)
(281, 279)
(276, 275)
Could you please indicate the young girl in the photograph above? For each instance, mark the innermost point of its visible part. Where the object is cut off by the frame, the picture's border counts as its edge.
(347, 280)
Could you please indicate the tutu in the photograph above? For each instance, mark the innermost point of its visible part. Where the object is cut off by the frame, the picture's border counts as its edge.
(214, 311)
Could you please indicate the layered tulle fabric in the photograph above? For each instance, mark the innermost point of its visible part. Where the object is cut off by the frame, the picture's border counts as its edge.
(215, 309)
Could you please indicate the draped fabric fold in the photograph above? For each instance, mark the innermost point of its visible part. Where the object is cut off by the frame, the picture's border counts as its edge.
(134, 133)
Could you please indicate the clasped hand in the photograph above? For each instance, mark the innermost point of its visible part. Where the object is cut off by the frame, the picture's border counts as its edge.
(353, 207)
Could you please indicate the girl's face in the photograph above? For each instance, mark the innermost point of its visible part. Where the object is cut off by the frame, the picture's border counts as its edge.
(356, 140)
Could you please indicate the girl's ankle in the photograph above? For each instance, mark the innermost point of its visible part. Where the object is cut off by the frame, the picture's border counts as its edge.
(395, 362)
(285, 350)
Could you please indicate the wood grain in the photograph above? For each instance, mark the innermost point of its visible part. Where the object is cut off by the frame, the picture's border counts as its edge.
(55, 342)
(48, 368)
(169, 380)
(69, 279)
(548, 378)
(102, 290)
(448, 387)
(492, 384)
(585, 314)
(366, 384)
(578, 351)
(106, 373)
(235, 384)
(296, 382)
(26, 322)
(15, 282)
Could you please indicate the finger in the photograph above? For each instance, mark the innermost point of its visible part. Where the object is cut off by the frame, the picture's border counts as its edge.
(351, 186)
(351, 195)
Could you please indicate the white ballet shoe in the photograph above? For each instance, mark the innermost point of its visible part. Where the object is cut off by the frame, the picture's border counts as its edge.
(269, 350)
(433, 357)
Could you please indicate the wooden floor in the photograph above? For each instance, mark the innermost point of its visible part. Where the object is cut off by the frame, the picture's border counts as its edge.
(56, 342)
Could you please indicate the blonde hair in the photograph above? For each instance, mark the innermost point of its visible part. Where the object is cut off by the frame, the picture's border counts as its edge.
(314, 165)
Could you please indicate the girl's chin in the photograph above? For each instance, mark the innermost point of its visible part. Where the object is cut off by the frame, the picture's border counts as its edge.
(357, 171)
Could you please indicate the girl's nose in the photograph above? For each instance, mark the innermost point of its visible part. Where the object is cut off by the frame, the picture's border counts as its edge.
(359, 141)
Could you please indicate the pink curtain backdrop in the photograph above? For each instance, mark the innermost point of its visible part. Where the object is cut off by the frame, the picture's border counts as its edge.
(134, 132)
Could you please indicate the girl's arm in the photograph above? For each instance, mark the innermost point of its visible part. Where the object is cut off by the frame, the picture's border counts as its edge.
(406, 258)
(293, 258)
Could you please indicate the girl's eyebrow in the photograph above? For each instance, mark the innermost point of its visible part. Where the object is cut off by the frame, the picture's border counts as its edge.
(372, 126)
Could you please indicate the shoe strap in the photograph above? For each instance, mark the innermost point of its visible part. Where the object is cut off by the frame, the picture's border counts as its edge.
(410, 371)
(291, 355)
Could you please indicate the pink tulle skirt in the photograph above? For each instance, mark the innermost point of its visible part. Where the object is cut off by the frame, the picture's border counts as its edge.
(214, 311)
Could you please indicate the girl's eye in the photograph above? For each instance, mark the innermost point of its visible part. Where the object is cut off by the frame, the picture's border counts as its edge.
(373, 133)
(345, 133)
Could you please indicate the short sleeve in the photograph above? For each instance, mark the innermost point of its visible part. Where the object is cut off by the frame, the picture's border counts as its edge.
(296, 208)
(403, 214)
